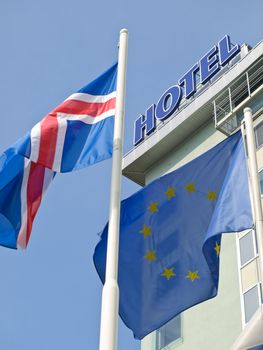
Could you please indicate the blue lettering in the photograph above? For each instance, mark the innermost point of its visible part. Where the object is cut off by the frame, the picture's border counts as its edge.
(168, 102)
(209, 65)
(225, 52)
(144, 125)
(188, 80)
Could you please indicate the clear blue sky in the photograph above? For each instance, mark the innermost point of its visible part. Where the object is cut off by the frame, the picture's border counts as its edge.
(50, 295)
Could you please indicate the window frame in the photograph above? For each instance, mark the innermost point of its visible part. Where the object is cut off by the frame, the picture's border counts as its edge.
(256, 137)
(176, 341)
(260, 170)
(258, 285)
(240, 267)
(255, 250)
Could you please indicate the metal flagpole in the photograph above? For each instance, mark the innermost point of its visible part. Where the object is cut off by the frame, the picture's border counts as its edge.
(256, 197)
(110, 293)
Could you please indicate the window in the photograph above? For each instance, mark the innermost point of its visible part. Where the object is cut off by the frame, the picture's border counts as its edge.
(259, 134)
(249, 278)
(261, 180)
(168, 333)
(246, 248)
(251, 300)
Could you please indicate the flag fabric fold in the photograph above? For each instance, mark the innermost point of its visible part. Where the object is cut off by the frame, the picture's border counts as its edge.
(76, 134)
(170, 236)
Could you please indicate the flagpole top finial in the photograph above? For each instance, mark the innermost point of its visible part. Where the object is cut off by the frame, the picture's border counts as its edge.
(247, 109)
(124, 30)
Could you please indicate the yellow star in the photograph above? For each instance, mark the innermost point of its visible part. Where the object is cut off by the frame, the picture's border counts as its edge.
(153, 207)
(170, 192)
(193, 275)
(168, 273)
(146, 231)
(190, 187)
(211, 196)
(150, 255)
(217, 249)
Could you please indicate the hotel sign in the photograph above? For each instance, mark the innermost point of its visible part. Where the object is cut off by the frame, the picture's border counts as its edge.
(207, 67)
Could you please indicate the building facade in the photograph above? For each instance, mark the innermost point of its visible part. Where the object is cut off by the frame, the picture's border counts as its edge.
(213, 112)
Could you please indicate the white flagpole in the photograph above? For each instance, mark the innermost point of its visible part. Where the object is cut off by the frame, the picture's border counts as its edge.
(110, 293)
(254, 178)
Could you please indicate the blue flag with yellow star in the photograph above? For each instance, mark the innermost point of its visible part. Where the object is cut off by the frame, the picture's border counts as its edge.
(170, 233)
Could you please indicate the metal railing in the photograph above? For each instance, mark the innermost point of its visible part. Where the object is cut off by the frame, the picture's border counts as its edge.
(246, 90)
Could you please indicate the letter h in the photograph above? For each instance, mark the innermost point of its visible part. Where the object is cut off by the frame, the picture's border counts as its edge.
(144, 125)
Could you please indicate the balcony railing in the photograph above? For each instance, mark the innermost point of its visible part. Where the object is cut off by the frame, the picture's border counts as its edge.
(246, 91)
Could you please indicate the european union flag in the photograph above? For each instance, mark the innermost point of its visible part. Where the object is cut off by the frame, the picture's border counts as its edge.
(170, 233)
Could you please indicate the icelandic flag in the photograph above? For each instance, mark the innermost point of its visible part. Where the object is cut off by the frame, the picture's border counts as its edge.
(76, 134)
